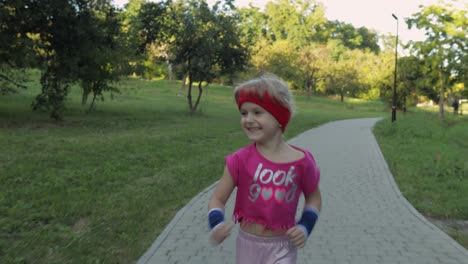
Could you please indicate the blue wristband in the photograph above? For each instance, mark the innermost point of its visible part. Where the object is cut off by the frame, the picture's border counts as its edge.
(215, 217)
(309, 219)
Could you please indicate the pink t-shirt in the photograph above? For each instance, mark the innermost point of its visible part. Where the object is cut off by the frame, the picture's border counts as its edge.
(268, 192)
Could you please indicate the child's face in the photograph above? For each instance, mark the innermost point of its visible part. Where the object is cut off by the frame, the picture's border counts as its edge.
(258, 124)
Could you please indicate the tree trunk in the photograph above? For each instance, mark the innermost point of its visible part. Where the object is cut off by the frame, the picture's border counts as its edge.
(84, 98)
(86, 92)
(441, 102)
(184, 80)
(308, 87)
(342, 95)
(91, 107)
(441, 98)
(189, 94)
(170, 70)
(200, 91)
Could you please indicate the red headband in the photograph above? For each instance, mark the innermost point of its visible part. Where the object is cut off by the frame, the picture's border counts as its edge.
(275, 108)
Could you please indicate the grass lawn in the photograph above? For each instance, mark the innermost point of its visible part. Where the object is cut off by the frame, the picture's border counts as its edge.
(100, 187)
(429, 159)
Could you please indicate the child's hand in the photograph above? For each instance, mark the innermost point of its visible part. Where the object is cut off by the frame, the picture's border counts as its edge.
(220, 232)
(296, 236)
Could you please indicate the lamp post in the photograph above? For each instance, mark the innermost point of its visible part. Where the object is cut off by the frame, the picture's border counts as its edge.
(395, 75)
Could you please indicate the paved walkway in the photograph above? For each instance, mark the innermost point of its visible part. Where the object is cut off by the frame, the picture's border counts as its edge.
(364, 219)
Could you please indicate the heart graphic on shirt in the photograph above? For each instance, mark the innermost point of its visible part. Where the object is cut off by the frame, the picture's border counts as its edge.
(267, 193)
(279, 195)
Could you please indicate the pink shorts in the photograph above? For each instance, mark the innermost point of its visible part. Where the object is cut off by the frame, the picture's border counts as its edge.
(253, 249)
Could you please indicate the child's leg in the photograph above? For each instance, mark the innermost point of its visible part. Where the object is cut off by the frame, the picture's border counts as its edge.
(264, 250)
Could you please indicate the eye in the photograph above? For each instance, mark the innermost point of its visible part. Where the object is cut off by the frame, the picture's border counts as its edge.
(243, 113)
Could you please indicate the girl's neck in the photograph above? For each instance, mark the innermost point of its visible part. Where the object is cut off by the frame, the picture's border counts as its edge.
(279, 151)
(271, 147)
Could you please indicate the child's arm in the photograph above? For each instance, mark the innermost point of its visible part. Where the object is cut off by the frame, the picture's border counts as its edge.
(299, 233)
(314, 200)
(222, 191)
(220, 229)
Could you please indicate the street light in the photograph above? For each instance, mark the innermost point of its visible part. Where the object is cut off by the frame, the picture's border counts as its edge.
(395, 75)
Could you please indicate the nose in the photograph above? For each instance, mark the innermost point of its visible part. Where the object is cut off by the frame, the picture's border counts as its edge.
(249, 117)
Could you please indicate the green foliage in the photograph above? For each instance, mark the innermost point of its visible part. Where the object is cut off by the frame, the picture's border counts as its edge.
(16, 45)
(301, 22)
(353, 38)
(17, 20)
(100, 60)
(314, 61)
(59, 35)
(445, 49)
(342, 75)
(153, 24)
(295, 41)
(70, 40)
(92, 43)
(11, 79)
(330, 69)
(208, 43)
(296, 21)
(204, 44)
(279, 58)
(253, 25)
(411, 82)
(54, 90)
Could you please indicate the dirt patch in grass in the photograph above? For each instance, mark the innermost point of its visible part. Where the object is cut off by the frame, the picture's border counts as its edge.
(456, 228)
(81, 226)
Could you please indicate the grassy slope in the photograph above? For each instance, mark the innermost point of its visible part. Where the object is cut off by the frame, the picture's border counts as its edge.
(100, 187)
(428, 158)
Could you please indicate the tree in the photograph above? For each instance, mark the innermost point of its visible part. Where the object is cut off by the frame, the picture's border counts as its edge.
(445, 48)
(205, 43)
(202, 42)
(80, 43)
(361, 38)
(253, 25)
(58, 40)
(101, 52)
(16, 44)
(313, 60)
(130, 29)
(233, 53)
(279, 58)
(153, 24)
(297, 21)
(11, 78)
(410, 80)
(69, 40)
(342, 74)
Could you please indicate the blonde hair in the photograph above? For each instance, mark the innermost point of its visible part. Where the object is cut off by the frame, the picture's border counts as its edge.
(273, 85)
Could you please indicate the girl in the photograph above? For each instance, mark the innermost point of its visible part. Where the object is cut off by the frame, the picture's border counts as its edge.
(270, 175)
